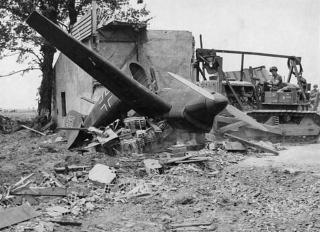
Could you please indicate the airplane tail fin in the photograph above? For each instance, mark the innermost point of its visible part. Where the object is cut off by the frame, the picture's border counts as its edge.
(74, 120)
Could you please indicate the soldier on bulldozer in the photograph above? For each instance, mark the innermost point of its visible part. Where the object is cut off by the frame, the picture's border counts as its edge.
(314, 91)
(314, 95)
(276, 81)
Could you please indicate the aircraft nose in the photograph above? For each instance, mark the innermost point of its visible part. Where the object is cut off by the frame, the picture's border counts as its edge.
(217, 104)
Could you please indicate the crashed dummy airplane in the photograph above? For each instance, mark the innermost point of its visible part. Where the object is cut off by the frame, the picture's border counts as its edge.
(191, 108)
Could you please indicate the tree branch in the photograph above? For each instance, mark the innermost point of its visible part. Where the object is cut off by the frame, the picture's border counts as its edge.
(28, 50)
(35, 54)
(18, 71)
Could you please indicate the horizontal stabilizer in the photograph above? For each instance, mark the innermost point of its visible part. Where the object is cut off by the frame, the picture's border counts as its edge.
(246, 118)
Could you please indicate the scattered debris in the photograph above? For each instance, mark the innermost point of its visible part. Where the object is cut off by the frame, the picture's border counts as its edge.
(234, 146)
(91, 145)
(152, 166)
(60, 139)
(102, 174)
(51, 180)
(198, 180)
(142, 189)
(178, 179)
(56, 211)
(42, 226)
(135, 123)
(292, 171)
(7, 125)
(178, 150)
(184, 198)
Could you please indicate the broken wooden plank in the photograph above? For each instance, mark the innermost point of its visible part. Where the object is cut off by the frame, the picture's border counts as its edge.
(190, 224)
(193, 160)
(178, 159)
(72, 128)
(47, 191)
(71, 168)
(252, 144)
(50, 191)
(28, 128)
(12, 216)
(25, 185)
(22, 181)
(139, 195)
(67, 222)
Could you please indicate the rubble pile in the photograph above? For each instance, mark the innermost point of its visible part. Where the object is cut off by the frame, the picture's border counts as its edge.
(45, 187)
(36, 124)
(137, 136)
(7, 125)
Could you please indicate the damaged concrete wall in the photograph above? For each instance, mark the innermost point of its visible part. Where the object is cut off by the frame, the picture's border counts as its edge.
(75, 83)
(163, 50)
(168, 51)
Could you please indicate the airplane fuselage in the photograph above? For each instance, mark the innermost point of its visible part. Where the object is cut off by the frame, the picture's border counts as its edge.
(189, 111)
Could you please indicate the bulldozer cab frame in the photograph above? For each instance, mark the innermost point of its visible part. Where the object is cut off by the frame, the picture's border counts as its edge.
(208, 65)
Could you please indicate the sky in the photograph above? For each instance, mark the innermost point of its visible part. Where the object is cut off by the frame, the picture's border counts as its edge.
(289, 27)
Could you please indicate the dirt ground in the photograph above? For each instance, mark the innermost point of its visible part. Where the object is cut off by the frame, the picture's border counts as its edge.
(23, 115)
(232, 192)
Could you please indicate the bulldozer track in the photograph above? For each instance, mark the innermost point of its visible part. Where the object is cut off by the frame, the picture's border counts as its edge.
(295, 118)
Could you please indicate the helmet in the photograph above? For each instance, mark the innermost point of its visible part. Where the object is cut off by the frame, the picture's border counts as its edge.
(273, 68)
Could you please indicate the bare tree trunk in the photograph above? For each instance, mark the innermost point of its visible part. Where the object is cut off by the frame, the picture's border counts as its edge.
(73, 14)
(50, 10)
(45, 91)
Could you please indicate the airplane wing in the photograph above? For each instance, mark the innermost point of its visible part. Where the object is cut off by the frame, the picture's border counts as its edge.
(125, 88)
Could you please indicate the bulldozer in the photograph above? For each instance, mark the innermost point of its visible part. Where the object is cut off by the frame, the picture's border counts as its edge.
(286, 111)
